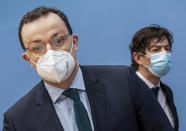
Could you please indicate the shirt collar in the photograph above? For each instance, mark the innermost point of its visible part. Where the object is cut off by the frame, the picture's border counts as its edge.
(77, 83)
(150, 85)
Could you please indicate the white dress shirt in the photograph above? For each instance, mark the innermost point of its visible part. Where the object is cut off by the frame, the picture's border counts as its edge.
(161, 98)
(64, 105)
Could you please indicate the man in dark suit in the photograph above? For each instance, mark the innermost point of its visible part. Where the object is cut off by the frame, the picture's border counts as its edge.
(151, 58)
(77, 98)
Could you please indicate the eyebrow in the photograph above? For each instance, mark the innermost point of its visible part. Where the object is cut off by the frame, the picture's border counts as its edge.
(159, 46)
(58, 32)
(34, 41)
(55, 34)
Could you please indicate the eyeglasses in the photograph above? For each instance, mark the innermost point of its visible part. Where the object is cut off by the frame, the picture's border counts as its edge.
(37, 48)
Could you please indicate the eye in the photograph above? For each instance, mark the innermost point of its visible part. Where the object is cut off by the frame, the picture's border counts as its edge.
(58, 41)
(37, 49)
(155, 49)
(167, 49)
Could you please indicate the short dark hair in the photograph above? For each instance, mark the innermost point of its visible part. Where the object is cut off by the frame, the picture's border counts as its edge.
(36, 14)
(142, 39)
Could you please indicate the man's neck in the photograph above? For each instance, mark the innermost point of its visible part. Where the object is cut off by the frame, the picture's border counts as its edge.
(149, 76)
(66, 83)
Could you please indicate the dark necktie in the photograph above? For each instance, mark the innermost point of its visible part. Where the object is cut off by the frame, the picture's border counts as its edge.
(81, 114)
(155, 91)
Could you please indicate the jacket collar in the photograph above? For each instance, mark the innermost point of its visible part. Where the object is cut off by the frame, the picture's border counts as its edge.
(45, 111)
(95, 92)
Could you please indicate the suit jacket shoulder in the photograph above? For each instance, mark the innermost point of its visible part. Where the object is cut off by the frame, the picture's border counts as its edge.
(23, 103)
(33, 112)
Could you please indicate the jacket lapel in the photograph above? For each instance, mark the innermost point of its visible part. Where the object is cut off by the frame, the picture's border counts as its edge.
(95, 92)
(170, 102)
(45, 110)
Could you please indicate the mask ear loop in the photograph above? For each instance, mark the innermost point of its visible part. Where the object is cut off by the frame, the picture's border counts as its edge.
(72, 45)
(147, 56)
(31, 59)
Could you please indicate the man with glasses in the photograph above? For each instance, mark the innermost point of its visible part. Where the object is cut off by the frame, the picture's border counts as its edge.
(72, 97)
(151, 58)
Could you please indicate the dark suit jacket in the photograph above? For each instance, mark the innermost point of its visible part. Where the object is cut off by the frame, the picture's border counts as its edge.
(119, 101)
(170, 101)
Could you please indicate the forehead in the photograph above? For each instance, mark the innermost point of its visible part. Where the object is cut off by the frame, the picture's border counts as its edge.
(45, 26)
(162, 42)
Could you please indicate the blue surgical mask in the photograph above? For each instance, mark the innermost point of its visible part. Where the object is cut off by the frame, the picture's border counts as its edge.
(160, 63)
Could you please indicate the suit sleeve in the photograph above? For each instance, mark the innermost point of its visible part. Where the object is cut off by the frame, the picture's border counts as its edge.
(7, 124)
(150, 115)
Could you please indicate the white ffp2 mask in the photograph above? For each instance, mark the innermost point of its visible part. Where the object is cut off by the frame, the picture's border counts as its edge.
(55, 66)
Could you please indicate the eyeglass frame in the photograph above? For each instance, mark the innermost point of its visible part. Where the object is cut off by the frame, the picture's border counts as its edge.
(45, 45)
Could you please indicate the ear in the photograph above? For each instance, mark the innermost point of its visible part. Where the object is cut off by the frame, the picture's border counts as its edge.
(75, 42)
(26, 58)
(137, 58)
